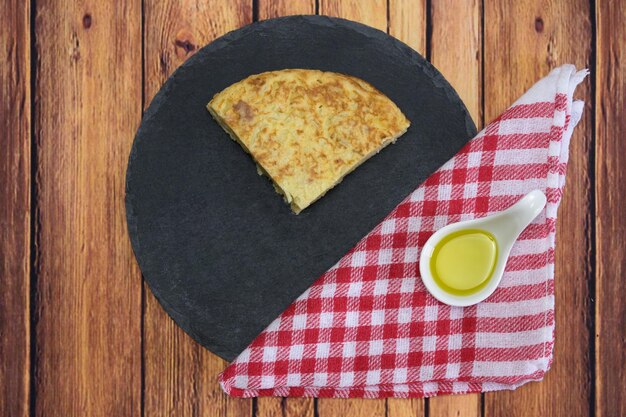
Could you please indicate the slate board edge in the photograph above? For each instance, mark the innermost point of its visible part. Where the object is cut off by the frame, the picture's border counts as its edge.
(221, 42)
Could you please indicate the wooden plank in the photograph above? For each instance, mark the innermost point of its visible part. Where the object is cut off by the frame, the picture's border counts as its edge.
(270, 406)
(15, 151)
(455, 49)
(284, 407)
(174, 30)
(372, 13)
(407, 22)
(88, 312)
(523, 41)
(455, 405)
(413, 407)
(610, 165)
(369, 12)
(180, 375)
(299, 407)
(269, 9)
(337, 407)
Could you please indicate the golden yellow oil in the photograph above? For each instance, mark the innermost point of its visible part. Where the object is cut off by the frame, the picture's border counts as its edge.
(463, 261)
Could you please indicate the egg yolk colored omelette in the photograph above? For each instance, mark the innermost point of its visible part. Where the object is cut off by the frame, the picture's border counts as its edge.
(307, 129)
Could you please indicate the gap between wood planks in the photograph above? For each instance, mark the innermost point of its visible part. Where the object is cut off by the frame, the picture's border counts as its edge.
(591, 169)
(34, 208)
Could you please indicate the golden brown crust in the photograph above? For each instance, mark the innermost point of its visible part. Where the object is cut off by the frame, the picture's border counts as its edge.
(307, 129)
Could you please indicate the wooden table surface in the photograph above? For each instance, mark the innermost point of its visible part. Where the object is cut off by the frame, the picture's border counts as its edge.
(80, 333)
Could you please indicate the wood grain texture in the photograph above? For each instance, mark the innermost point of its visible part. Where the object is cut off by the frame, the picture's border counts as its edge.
(269, 407)
(269, 9)
(455, 49)
(175, 30)
(370, 12)
(15, 229)
(88, 307)
(455, 406)
(284, 407)
(299, 407)
(407, 22)
(523, 41)
(400, 407)
(610, 162)
(337, 407)
(180, 375)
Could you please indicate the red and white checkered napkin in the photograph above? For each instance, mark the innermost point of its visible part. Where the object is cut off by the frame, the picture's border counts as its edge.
(368, 328)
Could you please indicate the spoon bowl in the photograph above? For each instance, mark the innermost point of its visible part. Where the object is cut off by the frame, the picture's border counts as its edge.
(505, 227)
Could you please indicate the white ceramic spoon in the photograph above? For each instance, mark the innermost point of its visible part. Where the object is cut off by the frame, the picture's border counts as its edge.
(505, 227)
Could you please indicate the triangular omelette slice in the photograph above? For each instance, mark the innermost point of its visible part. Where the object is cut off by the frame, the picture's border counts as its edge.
(307, 129)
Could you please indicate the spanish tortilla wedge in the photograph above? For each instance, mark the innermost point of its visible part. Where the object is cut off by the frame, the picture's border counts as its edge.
(307, 129)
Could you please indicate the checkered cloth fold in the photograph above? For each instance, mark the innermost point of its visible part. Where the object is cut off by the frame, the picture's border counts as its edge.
(368, 327)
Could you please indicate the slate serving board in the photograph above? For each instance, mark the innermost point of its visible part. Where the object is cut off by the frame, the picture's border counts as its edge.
(219, 248)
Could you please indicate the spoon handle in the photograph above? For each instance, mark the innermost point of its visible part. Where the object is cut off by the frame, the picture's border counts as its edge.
(520, 214)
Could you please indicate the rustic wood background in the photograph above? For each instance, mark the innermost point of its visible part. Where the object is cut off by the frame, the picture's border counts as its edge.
(81, 335)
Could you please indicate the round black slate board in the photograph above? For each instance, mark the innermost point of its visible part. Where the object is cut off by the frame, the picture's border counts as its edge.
(218, 247)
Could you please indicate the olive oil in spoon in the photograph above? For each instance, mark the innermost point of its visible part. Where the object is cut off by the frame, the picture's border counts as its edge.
(463, 263)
